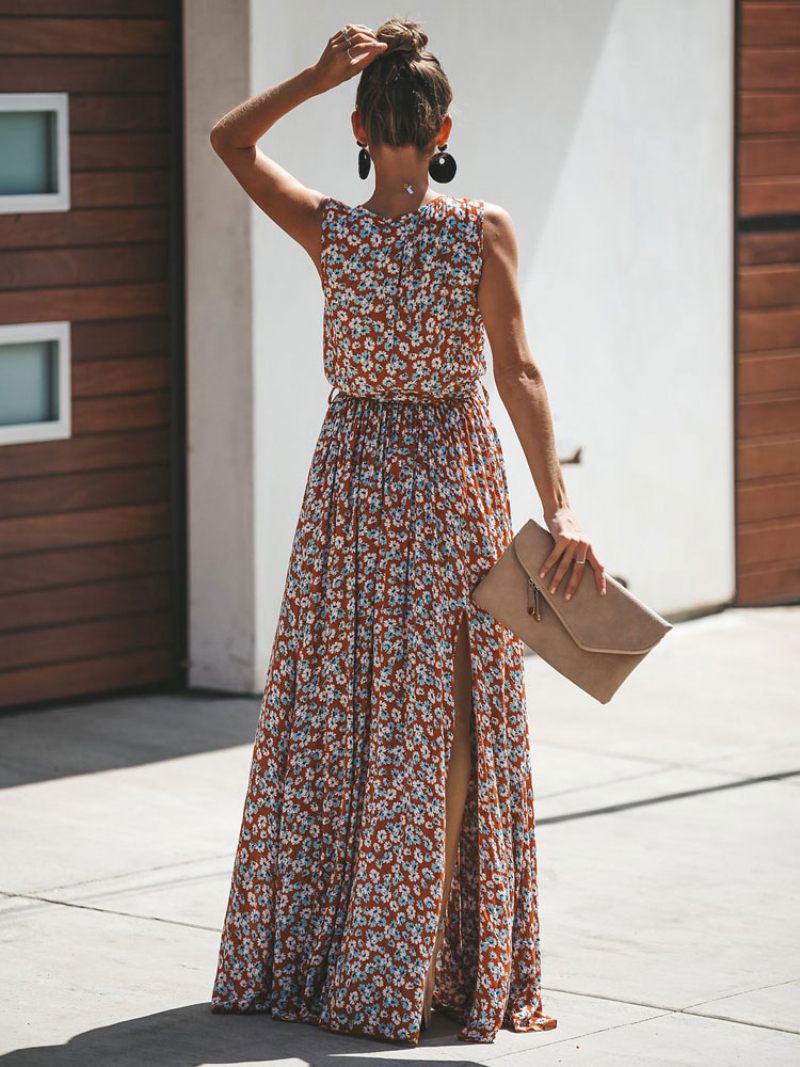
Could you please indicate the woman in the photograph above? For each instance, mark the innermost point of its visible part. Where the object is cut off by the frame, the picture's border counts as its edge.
(386, 861)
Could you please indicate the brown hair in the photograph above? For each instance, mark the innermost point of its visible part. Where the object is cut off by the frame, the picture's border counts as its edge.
(403, 94)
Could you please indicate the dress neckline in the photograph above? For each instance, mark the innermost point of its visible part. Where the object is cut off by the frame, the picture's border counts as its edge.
(405, 214)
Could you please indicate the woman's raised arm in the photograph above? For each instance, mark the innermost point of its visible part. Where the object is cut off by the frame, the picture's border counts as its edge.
(289, 203)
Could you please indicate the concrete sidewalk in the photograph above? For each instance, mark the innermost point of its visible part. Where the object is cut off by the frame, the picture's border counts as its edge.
(668, 872)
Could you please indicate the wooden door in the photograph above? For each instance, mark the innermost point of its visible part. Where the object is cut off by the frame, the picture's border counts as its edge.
(767, 302)
(92, 526)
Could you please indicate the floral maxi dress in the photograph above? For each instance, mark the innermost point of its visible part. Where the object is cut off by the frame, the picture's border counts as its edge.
(338, 875)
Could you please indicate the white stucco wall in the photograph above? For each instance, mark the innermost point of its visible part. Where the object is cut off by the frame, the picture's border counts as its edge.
(605, 128)
(626, 248)
(219, 359)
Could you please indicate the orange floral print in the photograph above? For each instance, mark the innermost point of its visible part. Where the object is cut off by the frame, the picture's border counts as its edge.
(339, 869)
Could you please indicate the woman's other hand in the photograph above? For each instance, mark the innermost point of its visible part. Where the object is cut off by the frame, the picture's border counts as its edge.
(572, 547)
(335, 66)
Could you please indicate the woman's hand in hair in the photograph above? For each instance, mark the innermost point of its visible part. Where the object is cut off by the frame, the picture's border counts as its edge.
(335, 66)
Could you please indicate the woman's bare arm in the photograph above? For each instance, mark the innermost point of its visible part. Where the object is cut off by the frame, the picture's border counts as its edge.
(521, 388)
(289, 203)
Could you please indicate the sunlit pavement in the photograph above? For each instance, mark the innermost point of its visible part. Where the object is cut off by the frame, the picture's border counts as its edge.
(667, 830)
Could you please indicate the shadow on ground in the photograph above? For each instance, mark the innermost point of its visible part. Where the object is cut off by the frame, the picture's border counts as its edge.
(193, 1035)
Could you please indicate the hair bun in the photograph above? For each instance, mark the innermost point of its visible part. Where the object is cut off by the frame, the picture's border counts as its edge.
(403, 96)
(402, 35)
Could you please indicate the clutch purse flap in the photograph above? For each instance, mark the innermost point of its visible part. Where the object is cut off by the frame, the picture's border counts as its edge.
(617, 622)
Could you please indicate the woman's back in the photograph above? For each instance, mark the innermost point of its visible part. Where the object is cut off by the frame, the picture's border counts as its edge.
(341, 890)
(401, 301)
(386, 861)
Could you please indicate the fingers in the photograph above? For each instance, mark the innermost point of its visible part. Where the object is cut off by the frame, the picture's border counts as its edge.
(599, 572)
(362, 44)
(553, 555)
(569, 551)
(579, 553)
(357, 35)
(561, 545)
(577, 574)
(353, 27)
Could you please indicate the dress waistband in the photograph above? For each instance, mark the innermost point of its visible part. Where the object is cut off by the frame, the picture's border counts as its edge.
(412, 398)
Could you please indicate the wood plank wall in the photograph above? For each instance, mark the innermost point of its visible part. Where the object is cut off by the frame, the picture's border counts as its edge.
(90, 527)
(768, 302)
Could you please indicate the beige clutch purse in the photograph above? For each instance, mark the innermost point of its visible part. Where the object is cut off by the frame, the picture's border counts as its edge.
(595, 641)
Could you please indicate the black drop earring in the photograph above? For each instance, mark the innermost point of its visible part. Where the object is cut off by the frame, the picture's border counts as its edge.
(364, 161)
(442, 168)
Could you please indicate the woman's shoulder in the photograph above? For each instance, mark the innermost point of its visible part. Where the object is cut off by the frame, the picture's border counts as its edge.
(332, 202)
(490, 211)
(486, 212)
(497, 225)
(331, 207)
(464, 203)
(481, 215)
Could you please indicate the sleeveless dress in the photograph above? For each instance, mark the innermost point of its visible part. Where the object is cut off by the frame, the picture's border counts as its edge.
(338, 876)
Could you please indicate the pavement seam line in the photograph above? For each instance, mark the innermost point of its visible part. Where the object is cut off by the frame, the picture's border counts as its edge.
(615, 1000)
(739, 1022)
(625, 805)
(108, 911)
(135, 872)
(583, 1036)
(742, 992)
(689, 1009)
(607, 782)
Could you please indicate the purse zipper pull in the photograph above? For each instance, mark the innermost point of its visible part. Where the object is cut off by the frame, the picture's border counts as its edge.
(533, 600)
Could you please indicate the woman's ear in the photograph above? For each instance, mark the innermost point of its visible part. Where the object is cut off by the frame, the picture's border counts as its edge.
(358, 130)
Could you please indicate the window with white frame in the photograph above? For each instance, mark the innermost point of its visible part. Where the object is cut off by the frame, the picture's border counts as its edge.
(34, 382)
(34, 152)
